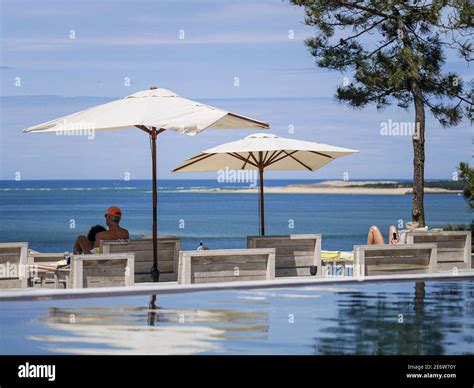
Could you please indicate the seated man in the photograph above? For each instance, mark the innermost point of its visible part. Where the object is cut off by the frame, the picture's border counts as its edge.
(375, 236)
(115, 232)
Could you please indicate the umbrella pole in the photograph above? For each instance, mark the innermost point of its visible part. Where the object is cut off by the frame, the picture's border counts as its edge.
(155, 273)
(153, 133)
(262, 206)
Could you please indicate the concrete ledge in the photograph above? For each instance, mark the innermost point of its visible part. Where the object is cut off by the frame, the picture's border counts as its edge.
(39, 294)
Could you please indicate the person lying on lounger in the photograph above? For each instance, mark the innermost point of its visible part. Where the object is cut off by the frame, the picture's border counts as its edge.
(375, 236)
(113, 217)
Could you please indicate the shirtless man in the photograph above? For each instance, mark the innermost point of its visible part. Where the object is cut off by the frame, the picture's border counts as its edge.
(115, 232)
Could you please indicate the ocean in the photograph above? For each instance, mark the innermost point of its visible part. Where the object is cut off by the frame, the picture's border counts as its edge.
(50, 214)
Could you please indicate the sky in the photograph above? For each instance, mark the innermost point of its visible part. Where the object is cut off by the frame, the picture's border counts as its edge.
(58, 57)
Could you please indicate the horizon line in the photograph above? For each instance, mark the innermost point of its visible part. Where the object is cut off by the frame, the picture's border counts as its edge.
(203, 98)
(208, 179)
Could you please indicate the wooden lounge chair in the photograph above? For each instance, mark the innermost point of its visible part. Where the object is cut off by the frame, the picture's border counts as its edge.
(226, 265)
(454, 247)
(13, 265)
(337, 263)
(85, 271)
(114, 270)
(38, 276)
(370, 260)
(296, 254)
(168, 256)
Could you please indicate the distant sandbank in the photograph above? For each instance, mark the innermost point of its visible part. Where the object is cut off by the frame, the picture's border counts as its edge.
(334, 187)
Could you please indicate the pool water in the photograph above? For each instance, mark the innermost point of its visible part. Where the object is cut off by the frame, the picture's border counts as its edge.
(432, 318)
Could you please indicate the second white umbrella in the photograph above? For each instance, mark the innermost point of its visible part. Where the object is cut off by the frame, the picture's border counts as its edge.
(264, 151)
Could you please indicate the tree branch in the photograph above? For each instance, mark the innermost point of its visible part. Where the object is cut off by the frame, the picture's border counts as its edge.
(360, 33)
(367, 9)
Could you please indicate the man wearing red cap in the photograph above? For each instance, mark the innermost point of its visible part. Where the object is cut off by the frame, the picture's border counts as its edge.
(113, 216)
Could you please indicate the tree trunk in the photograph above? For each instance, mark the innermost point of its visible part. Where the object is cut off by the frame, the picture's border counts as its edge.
(418, 210)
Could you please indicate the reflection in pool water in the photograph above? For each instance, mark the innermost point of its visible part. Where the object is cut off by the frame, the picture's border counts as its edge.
(405, 318)
(122, 330)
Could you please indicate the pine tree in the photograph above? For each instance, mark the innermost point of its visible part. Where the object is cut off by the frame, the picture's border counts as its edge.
(396, 50)
(466, 173)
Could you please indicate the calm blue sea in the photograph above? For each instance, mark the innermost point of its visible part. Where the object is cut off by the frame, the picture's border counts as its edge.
(49, 214)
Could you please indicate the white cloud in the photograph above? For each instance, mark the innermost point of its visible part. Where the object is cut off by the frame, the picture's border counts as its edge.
(46, 11)
(245, 11)
(49, 43)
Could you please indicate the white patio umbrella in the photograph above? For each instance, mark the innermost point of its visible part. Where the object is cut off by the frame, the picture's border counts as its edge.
(264, 151)
(152, 111)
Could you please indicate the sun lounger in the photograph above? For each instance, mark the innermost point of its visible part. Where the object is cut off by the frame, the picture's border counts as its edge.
(296, 254)
(454, 247)
(113, 270)
(85, 271)
(13, 265)
(337, 263)
(46, 278)
(226, 265)
(168, 256)
(370, 260)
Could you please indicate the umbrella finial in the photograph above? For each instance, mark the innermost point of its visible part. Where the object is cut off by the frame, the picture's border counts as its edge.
(153, 87)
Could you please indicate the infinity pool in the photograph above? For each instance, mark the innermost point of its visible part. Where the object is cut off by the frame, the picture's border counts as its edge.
(432, 318)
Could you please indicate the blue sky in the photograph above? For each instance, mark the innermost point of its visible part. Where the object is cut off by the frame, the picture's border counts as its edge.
(140, 41)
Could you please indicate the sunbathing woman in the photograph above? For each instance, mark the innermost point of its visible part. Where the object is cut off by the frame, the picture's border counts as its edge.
(375, 236)
(82, 246)
(85, 244)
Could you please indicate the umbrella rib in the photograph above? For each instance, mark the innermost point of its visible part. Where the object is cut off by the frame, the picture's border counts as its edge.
(246, 161)
(149, 131)
(237, 156)
(240, 157)
(143, 128)
(299, 161)
(205, 156)
(261, 124)
(265, 157)
(320, 153)
(292, 157)
(273, 157)
(255, 159)
(270, 157)
(277, 159)
(198, 156)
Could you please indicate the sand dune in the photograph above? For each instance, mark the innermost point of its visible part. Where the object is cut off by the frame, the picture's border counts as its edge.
(334, 187)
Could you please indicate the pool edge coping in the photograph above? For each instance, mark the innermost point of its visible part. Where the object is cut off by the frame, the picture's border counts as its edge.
(39, 294)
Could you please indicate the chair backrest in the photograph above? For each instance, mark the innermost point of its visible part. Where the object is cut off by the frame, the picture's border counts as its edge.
(226, 265)
(168, 256)
(43, 258)
(112, 270)
(371, 260)
(13, 265)
(454, 247)
(295, 253)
